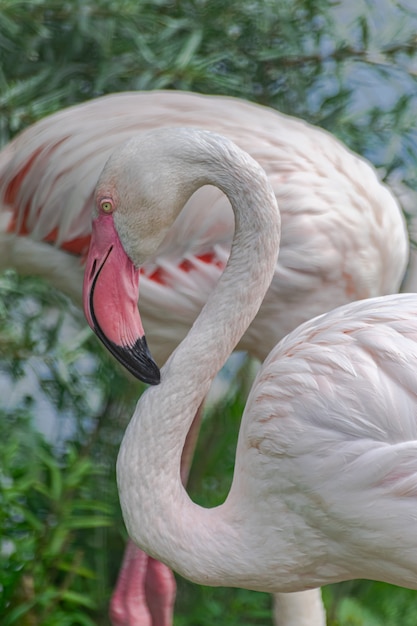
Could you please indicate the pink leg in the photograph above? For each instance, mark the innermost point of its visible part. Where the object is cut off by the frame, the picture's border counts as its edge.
(128, 602)
(145, 589)
(160, 589)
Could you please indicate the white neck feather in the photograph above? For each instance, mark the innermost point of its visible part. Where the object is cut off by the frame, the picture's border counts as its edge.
(198, 543)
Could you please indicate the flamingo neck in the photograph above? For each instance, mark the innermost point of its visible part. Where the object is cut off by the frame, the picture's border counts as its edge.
(159, 515)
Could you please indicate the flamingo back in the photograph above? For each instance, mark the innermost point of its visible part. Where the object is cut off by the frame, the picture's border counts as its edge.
(343, 233)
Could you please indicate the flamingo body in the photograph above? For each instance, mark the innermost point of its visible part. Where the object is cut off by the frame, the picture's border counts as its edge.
(343, 239)
(340, 441)
(325, 480)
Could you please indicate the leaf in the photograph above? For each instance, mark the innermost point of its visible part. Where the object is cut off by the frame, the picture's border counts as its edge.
(17, 613)
(56, 540)
(81, 522)
(79, 570)
(190, 48)
(53, 489)
(74, 597)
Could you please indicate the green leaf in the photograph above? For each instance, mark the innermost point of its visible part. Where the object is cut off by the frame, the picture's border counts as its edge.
(95, 521)
(16, 614)
(74, 597)
(79, 570)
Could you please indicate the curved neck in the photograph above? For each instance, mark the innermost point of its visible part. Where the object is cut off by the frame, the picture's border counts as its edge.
(159, 516)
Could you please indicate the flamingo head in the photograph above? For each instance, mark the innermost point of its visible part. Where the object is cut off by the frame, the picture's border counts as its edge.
(143, 187)
(125, 232)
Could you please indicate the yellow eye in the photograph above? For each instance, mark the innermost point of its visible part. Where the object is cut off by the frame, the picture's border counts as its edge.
(106, 206)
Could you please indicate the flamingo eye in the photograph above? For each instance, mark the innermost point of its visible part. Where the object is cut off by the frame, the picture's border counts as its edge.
(106, 206)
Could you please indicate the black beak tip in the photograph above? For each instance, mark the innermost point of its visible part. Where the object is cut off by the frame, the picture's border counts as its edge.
(141, 363)
(152, 375)
(136, 359)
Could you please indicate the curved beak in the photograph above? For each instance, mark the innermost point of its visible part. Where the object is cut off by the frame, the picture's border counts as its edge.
(110, 299)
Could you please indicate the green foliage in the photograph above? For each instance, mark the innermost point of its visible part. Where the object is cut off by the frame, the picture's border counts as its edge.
(57, 53)
(47, 503)
(365, 603)
(349, 67)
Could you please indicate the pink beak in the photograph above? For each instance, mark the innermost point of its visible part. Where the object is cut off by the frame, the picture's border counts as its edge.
(110, 297)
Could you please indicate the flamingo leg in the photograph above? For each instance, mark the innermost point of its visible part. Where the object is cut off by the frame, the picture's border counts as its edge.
(128, 603)
(301, 608)
(145, 590)
(160, 590)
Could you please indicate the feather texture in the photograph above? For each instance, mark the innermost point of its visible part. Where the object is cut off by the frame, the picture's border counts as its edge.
(343, 239)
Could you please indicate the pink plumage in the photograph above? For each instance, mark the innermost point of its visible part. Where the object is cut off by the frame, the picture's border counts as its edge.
(343, 239)
(343, 234)
(325, 478)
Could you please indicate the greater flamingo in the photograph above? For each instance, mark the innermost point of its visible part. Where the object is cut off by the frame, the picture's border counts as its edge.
(343, 238)
(325, 480)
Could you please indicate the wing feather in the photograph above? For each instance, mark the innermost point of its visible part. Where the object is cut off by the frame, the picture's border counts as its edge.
(343, 233)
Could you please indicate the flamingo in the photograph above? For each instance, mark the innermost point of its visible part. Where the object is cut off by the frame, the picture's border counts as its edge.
(342, 239)
(325, 480)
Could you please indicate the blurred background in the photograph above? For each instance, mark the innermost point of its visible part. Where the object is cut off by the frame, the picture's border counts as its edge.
(350, 67)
